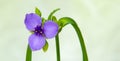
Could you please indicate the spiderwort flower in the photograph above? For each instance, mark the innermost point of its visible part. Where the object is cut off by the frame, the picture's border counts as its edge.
(33, 23)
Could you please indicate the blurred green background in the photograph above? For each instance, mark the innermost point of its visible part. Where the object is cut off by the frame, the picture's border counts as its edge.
(99, 21)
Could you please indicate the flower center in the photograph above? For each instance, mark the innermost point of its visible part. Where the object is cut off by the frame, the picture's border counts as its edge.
(39, 30)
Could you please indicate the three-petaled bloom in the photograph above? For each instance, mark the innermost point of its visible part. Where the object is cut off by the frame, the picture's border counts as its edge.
(48, 30)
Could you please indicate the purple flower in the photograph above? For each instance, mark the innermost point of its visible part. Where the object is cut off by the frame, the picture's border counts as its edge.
(48, 30)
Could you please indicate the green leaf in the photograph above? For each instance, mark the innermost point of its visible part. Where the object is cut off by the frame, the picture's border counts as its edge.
(45, 48)
(65, 20)
(38, 12)
(51, 14)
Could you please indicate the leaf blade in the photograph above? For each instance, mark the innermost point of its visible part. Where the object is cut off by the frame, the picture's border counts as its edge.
(38, 12)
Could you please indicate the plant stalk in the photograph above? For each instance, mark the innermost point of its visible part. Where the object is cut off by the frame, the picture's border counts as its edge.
(57, 47)
(81, 40)
(29, 54)
(65, 21)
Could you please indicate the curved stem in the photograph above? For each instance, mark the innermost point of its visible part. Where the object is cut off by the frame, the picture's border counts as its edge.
(85, 58)
(57, 47)
(29, 54)
(66, 20)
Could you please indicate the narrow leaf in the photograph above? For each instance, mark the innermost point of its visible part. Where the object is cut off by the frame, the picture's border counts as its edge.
(51, 14)
(37, 11)
(65, 20)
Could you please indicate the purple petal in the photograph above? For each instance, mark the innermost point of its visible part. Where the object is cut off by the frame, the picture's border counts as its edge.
(50, 29)
(36, 42)
(32, 20)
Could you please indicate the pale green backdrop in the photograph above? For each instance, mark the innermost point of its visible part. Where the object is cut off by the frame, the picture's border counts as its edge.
(99, 21)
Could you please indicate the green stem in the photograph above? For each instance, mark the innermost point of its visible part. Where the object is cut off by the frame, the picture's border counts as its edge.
(57, 47)
(85, 58)
(66, 20)
(29, 54)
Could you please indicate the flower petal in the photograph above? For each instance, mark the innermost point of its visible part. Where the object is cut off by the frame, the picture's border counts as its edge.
(36, 42)
(32, 20)
(50, 29)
